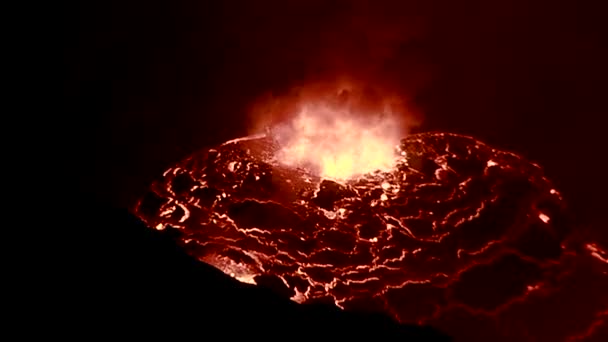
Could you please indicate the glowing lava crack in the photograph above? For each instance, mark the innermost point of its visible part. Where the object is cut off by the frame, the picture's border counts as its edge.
(454, 231)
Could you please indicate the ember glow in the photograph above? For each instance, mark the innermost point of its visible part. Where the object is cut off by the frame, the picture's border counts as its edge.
(339, 144)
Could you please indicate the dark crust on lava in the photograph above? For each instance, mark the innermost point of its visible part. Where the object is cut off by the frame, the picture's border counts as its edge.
(456, 211)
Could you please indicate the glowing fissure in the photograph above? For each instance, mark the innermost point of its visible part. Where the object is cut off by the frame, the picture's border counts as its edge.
(337, 144)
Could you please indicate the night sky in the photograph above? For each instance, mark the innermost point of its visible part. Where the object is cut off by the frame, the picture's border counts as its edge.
(149, 82)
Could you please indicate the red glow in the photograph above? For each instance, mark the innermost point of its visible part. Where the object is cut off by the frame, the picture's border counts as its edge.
(453, 231)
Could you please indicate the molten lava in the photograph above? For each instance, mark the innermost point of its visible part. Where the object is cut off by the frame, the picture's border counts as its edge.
(435, 229)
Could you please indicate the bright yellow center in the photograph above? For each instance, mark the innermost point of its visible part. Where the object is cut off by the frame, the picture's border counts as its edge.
(338, 144)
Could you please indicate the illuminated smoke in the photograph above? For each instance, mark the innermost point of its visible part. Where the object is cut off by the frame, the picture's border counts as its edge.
(337, 88)
(337, 143)
(337, 129)
(338, 85)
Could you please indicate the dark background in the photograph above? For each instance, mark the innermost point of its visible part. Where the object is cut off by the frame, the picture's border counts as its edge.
(149, 82)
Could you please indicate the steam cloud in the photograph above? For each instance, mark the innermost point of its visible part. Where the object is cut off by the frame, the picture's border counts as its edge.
(358, 54)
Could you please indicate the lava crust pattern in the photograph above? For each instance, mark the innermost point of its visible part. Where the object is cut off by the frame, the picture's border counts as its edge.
(456, 235)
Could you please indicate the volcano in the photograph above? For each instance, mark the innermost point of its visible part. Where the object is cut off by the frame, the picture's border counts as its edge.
(458, 235)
